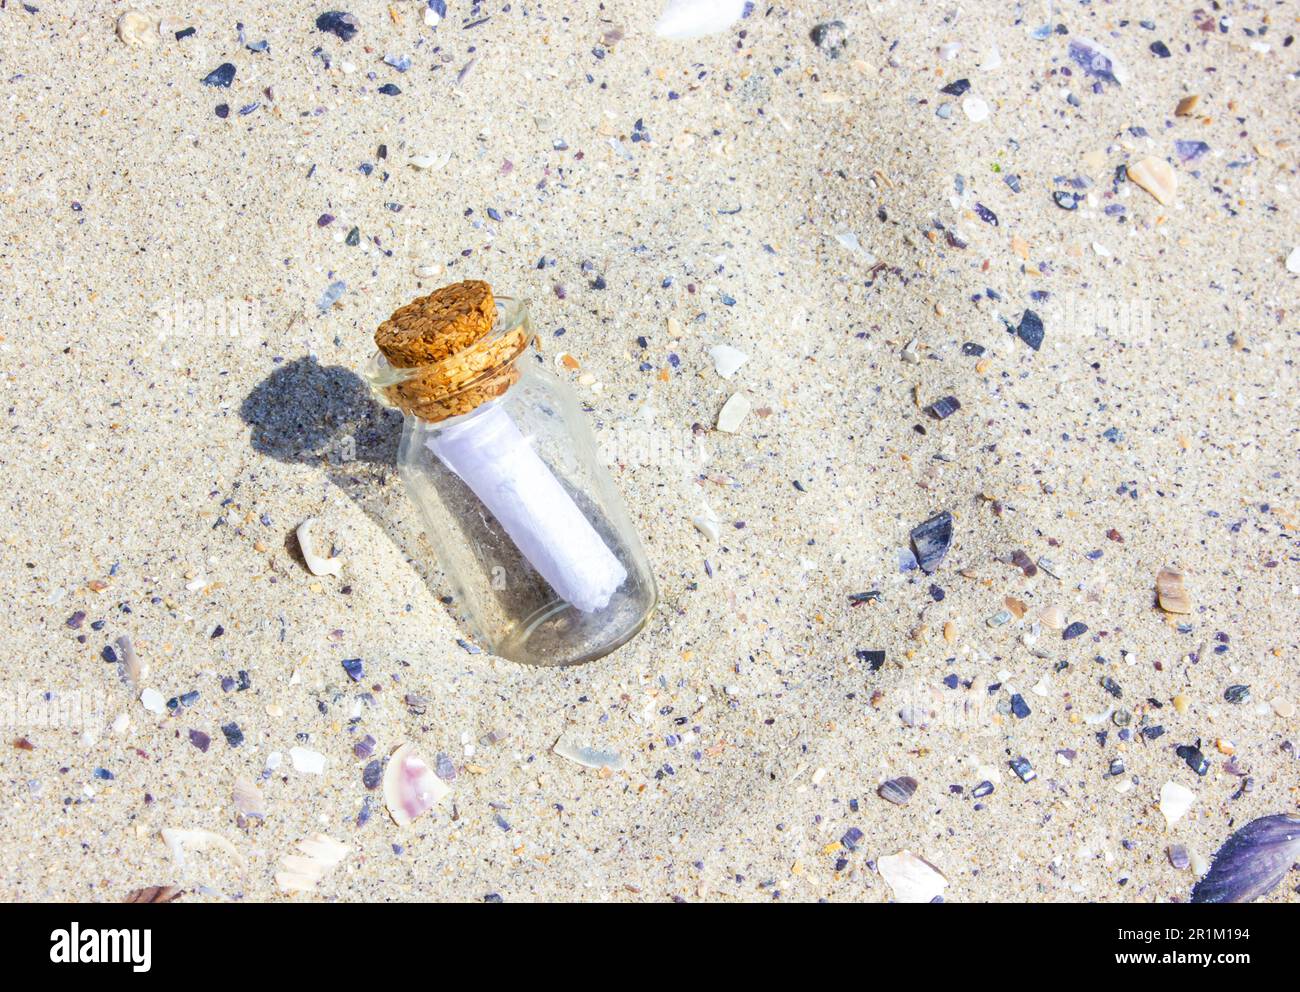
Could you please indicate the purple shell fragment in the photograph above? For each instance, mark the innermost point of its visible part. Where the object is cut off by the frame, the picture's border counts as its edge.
(1097, 61)
(1252, 861)
(898, 791)
(1190, 151)
(443, 768)
(331, 295)
(931, 540)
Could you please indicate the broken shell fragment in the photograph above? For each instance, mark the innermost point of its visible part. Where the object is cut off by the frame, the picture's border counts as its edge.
(433, 162)
(315, 563)
(683, 20)
(898, 790)
(590, 757)
(913, 879)
(1097, 61)
(707, 523)
(248, 799)
(320, 855)
(137, 29)
(130, 663)
(944, 408)
(307, 761)
(1052, 617)
(1156, 176)
(930, 541)
(154, 893)
(726, 359)
(733, 412)
(1171, 592)
(181, 841)
(1175, 801)
(411, 788)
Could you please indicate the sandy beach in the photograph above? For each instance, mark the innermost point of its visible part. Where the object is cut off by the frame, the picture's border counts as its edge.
(1032, 265)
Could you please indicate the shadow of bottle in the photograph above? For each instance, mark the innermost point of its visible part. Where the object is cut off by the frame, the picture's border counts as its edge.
(304, 413)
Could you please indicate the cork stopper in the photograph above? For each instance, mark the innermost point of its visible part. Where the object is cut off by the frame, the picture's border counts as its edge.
(447, 352)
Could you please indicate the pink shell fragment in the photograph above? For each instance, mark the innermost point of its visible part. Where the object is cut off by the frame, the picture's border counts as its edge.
(411, 788)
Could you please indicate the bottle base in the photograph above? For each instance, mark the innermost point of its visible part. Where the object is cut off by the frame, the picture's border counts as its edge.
(560, 635)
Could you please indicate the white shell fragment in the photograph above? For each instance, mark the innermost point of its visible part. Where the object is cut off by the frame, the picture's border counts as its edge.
(128, 659)
(315, 563)
(1156, 176)
(1293, 260)
(733, 412)
(152, 700)
(590, 757)
(975, 109)
(683, 20)
(1175, 801)
(410, 786)
(181, 841)
(137, 29)
(433, 162)
(248, 799)
(849, 240)
(726, 359)
(913, 879)
(320, 855)
(706, 522)
(307, 762)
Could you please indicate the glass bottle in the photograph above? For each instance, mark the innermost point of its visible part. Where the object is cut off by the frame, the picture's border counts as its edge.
(527, 525)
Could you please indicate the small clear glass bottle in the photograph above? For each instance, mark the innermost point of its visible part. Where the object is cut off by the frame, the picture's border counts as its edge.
(528, 527)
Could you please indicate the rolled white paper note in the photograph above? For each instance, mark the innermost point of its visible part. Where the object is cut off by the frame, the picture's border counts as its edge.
(499, 465)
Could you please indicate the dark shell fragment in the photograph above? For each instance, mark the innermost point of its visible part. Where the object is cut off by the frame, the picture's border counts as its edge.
(338, 22)
(874, 659)
(931, 540)
(944, 408)
(1030, 330)
(223, 75)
